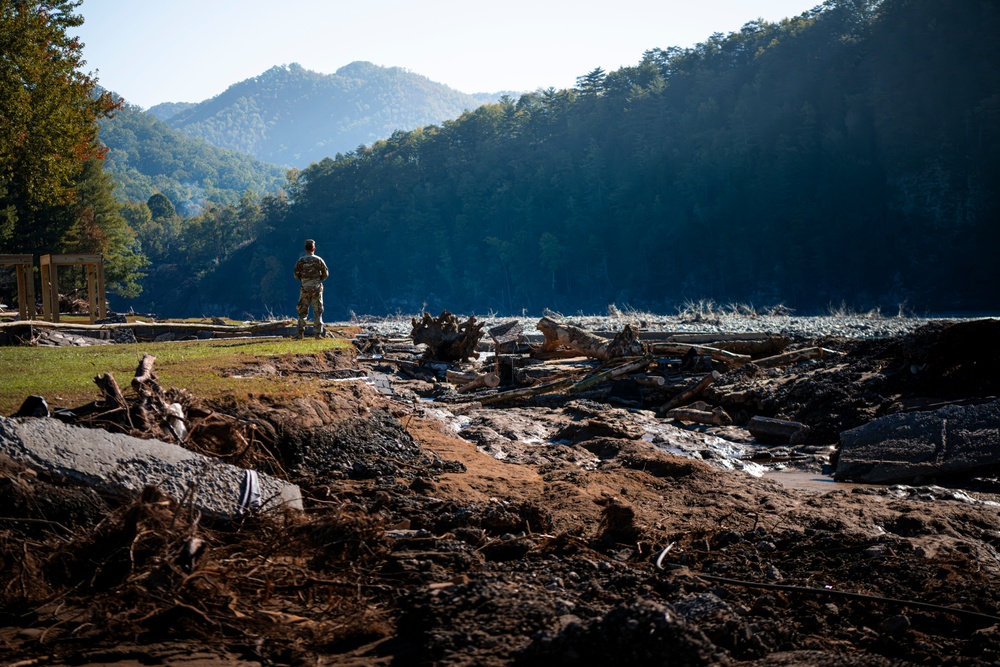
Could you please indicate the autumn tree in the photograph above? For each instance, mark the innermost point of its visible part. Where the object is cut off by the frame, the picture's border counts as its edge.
(48, 114)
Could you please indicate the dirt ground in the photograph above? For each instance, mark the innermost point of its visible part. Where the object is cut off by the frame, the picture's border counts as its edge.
(558, 531)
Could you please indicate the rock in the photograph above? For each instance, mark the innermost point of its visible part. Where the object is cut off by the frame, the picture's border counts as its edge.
(912, 446)
(121, 464)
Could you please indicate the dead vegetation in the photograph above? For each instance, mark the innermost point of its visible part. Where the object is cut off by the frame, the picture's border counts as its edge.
(583, 543)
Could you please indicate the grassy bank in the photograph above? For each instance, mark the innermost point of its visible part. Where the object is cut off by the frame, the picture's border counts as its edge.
(64, 376)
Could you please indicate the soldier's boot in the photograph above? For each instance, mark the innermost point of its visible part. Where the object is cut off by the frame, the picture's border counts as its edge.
(300, 335)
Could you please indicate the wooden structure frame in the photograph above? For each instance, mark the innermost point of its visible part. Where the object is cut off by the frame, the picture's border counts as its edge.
(94, 265)
(25, 283)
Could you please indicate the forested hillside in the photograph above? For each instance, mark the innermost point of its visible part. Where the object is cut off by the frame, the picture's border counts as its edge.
(846, 155)
(291, 116)
(145, 156)
(166, 110)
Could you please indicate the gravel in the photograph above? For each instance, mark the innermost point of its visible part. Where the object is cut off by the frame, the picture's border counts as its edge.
(797, 327)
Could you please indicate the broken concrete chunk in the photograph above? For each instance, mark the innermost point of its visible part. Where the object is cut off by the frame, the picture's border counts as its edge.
(118, 463)
(913, 446)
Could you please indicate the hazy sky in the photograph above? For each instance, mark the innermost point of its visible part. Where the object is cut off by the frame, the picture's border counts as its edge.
(152, 51)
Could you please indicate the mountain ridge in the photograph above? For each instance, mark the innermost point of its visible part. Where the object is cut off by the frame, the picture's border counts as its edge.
(291, 116)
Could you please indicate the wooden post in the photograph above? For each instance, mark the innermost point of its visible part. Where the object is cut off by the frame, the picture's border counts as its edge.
(102, 300)
(50, 305)
(91, 291)
(25, 284)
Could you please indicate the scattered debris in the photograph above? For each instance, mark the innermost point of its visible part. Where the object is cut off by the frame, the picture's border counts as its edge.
(579, 522)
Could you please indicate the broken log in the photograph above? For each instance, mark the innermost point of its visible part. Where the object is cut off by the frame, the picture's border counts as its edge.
(715, 417)
(460, 377)
(624, 369)
(526, 392)
(110, 390)
(691, 391)
(795, 356)
(650, 380)
(486, 380)
(725, 357)
(625, 343)
(774, 344)
(770, 431)
(446, 338)
(144, 373)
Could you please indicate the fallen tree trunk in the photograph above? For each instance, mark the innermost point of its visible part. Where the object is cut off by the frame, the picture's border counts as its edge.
(795, 356)
(725, 357)
(625, 369)
(772, 345)
(527, 392)
(557, 333)
(651, 380)
(691, 391)
(716, 417)
(625, 343)
(486, 380)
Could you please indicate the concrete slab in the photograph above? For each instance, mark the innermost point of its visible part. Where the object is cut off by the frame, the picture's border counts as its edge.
(122, 464)
(915, 446)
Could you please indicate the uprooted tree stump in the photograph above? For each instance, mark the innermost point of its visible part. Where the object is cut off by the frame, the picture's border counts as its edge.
(447, 338)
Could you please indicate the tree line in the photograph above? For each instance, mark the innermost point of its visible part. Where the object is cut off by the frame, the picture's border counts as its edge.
(844, 155)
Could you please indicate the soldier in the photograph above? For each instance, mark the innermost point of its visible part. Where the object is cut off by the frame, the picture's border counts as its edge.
(311, 271)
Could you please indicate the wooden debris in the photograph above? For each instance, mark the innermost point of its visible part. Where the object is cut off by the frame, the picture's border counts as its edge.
(650, 380)
(590, 345)
(795, 356)
(446, 338)
(774, 344)
(484, 380)
(770, 431)
(730, 358)
(111, 391)
(144, 379)
(526, 392)
(625, 369)
(715, 417)
(691, 391)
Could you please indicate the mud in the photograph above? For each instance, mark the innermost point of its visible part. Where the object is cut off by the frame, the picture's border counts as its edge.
(564, 531)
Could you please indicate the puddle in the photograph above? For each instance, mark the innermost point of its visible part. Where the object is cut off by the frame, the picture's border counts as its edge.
(810, 481)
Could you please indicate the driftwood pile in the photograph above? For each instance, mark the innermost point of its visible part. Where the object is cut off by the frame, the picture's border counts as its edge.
(149, 411)
(661, 373)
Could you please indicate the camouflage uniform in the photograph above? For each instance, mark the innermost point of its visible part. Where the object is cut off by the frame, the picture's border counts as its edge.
(311, 271)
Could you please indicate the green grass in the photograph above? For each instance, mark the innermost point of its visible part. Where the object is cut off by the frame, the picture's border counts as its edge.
(64, 376)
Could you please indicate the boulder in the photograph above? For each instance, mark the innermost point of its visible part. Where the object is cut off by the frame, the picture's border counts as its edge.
(120, 464)
(915, 446)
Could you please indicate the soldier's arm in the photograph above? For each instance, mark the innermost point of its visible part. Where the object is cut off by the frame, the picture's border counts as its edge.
(325, 273)
(298, 270)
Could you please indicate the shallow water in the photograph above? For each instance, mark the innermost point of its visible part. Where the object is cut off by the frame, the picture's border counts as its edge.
(810, 481)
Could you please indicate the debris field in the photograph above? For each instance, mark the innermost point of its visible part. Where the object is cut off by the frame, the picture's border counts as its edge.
(477, 495)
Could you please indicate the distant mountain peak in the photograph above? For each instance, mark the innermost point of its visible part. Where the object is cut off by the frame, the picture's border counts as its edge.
(292, 116)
